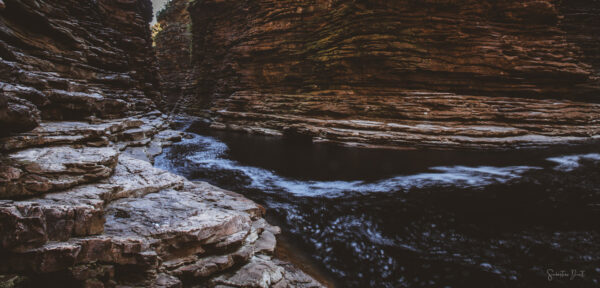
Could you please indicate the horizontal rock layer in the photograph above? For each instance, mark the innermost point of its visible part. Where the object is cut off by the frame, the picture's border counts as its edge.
(172, 39)
(57, 66)
(514, 48)
(98, 214)
(258, 62)
(414, 120)
(80, 203)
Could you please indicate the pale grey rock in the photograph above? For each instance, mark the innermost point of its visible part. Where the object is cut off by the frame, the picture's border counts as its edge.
(266, 242)
(176, 220)
(78, 211)
(149, 148)
(264, 272)
(169, 135)
(250, 244)
(93, 132)
(167, 281)
(104, 210)
(41, 170)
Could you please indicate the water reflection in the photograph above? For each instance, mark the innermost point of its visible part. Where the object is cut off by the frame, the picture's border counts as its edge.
(414, 218)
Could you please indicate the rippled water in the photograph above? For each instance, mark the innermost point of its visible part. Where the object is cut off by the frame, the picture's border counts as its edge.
(373, 218)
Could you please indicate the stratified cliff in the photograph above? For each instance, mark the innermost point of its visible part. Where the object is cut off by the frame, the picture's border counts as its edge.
(62, 67)
(80, 203)
(397, 73)
(173, 42)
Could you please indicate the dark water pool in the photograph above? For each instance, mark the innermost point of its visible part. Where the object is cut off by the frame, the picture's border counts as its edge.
(374, 218)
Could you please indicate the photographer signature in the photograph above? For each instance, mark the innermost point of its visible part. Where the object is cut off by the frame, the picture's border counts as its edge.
(570, 274)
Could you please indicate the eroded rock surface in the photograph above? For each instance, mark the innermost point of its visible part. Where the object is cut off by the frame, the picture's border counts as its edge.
(173, 48)
(328, 68)
(68, 60)
(417, 119)
(80, 203)
(39, 170)
(137, 226)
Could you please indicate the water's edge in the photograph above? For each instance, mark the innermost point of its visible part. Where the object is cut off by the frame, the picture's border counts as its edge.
(410, 218)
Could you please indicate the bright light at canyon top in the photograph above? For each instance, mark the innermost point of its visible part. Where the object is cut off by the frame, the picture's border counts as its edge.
(157, 5)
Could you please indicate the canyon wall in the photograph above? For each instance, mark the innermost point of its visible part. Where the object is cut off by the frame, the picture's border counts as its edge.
(507, 48)
(80, 203)
(400, 73)
(173, 46)
(62, 67)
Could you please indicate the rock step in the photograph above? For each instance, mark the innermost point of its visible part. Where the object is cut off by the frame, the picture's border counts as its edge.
(198, 230)
(263, 271)
(260, 240)
(37, 171)
(94, 133)
(128, 223)
(58, 256)
(177, 222)
(412, 118)
(79, 211)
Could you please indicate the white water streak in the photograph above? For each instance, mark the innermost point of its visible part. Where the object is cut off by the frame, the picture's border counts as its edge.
(211, 156)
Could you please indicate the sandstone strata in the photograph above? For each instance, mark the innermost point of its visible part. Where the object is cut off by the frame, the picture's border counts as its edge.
(80, 203)
(57, 66)
(416, 119)
(173, 48)
(482, 72)
(136, 225)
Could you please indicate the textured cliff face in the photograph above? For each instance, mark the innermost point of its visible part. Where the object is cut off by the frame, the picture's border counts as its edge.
(173, 46)
(272, 66)
(80, 203)
(512, 48)
(66, 68)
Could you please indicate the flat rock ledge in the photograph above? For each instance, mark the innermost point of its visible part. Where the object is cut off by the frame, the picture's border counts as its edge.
(82, 206)
(409, 119)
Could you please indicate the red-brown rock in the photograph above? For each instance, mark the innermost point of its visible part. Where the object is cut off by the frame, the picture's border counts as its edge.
(98, 63)
(276, 66)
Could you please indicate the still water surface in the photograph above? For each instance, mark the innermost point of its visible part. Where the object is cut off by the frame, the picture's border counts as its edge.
(418, 218)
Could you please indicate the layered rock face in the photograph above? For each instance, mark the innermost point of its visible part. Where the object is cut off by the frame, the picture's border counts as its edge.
(80, 203)
(484, 73)
(57, 66)
(103, 216)
(173, 46)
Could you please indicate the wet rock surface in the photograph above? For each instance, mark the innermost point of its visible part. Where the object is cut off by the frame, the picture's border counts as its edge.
(142, 223)
(414, 218)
